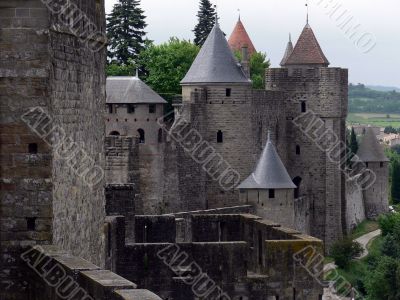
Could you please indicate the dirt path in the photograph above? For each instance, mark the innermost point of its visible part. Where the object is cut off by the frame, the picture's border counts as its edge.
(329, 293)
(365, 239)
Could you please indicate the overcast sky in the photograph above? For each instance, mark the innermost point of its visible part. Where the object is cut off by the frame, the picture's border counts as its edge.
(269, 22)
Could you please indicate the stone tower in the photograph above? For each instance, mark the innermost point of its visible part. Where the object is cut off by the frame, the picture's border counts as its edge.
(317, 95)
(270, 189)
(375, 192)
(217, 103)
(52, 132)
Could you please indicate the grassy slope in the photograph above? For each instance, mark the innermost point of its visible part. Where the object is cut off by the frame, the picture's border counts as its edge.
(374, 119)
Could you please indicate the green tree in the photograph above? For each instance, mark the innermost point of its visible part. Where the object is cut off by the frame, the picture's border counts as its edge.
(258, 64)
(383, 282)
(125, 31)
(206, 17)
(343, 251)
(388, 223)
(353, 142)
(167, 64)
(115, 69)
(395, 187)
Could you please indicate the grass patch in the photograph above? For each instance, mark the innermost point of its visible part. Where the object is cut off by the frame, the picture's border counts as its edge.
(328, 260)
(364, 228)
(374, 119)
(374, 246)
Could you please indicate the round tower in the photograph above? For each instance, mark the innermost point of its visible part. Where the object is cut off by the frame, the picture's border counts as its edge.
(376, 193)
(216, 102)
(316, 103)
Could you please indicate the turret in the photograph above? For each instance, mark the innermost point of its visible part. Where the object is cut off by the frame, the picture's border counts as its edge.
(288, 52)
(216, 101)
(270, 189)
(375, 193)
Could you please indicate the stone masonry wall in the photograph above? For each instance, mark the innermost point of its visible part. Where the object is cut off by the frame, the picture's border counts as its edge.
(44, 65)
(324, 94)
(355, 210)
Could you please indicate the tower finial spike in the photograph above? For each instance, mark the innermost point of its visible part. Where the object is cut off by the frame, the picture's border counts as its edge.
(269, 136)
(239, 13)
(290, 37)
(307, 11)
(216, 15)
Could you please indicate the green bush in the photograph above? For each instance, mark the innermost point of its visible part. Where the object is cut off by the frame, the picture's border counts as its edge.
(343, 251)
(389, 222)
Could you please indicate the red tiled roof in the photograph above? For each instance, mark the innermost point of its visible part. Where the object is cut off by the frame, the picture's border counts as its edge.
(240, 38)
(307, 50)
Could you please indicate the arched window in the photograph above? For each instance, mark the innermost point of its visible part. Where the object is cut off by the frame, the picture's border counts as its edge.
(303, 106)
(220, 136)
(298, 150)
(160, 136)
(297, 181)
(115, 133)
(141, 136)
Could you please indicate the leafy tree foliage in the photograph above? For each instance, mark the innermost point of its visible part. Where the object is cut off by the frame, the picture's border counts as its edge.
(115, 69)
(258, 64)
(206, 16)
(390, 129)
(388, 223)
(167, 64)
(125, 31)
(343, 251)
(384, 281)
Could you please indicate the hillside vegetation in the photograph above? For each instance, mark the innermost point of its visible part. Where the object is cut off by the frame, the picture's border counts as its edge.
(365, 100)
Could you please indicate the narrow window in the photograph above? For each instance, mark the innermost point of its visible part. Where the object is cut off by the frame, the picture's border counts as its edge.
(303, 107)
(228, 92)
(220, 136)
(152, 108)
(109, 240)
(160, 136)
(298, 150)
(31, 223)
(381, 164)
(141, 136)
(131, 108)
(260, 248)
(33, 148)
(271, 193)
(110, 108)
(366, 164)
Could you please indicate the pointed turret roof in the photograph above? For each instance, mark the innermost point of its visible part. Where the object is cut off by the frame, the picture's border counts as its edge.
(288, 52)
(240, 38)
(307, 50)
(215, 63)
(370, 150)
(270, 172)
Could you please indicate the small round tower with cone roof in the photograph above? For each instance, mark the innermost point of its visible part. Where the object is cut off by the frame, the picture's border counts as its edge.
(270, 189)
(376, 195)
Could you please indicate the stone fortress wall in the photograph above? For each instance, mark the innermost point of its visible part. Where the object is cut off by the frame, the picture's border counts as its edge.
(43, 201)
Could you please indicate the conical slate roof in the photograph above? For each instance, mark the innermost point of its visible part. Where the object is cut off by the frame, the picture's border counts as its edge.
(240, 38)
(370, 150)
(270, 172)
(124, 89)
(307, 50)
(215, 63)
(288, 52)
